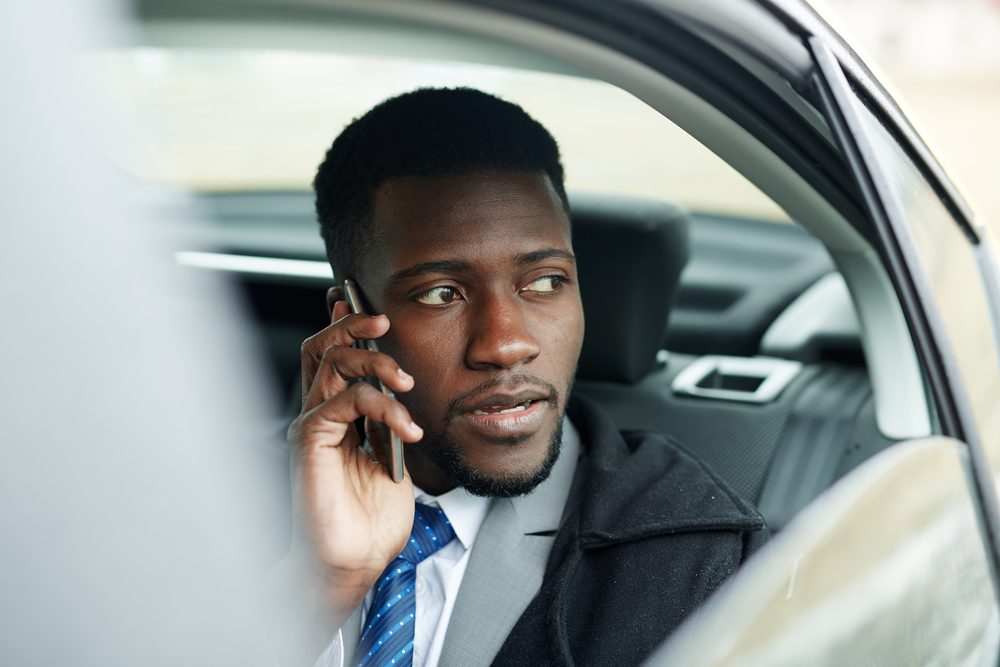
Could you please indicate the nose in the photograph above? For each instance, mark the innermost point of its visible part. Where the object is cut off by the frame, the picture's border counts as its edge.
(499, 337)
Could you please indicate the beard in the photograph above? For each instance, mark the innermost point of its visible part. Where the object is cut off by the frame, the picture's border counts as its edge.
(441, 450)
(446, 454)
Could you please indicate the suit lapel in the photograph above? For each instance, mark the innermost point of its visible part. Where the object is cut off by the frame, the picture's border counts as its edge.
(507, 564)
(505, 571)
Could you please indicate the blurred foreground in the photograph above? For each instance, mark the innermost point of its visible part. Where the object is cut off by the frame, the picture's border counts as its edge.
(135, 507)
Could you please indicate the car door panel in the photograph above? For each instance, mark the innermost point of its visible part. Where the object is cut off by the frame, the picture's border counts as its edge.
(887, 568)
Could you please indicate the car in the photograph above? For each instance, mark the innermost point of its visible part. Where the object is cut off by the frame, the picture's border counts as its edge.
(776, 270)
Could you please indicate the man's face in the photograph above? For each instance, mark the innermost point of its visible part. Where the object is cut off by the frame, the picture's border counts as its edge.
(477, 277)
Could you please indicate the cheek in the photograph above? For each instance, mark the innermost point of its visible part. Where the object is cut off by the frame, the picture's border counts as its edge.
(563, 339)
(422, 348)
(432, 355)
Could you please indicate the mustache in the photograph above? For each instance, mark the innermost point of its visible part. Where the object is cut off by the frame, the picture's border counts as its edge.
(499, 382)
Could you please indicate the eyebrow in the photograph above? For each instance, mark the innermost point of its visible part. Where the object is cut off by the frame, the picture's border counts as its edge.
(458, 266)
(536, 256)
(440, 266)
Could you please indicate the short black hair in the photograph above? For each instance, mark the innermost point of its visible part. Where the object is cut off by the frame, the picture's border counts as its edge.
(426, 132)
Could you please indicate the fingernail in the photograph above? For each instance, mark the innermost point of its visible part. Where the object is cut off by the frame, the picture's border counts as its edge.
(416, 430)
(403, 374)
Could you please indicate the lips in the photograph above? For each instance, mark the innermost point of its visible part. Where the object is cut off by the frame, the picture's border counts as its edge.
(504, 402)
(506, 414)
(502, 409)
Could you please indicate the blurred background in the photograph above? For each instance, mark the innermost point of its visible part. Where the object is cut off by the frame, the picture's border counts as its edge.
(221, 118)
(943, 56)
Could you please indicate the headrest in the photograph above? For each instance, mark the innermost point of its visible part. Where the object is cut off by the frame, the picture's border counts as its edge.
(630, 253)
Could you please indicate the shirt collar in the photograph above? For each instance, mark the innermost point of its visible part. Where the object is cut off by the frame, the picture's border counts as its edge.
(465, 511)
(538, 512)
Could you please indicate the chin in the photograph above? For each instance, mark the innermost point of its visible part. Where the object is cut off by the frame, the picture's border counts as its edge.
(505, 479)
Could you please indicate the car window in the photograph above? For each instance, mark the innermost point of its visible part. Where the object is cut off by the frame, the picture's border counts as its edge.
(243, 120)
(950, 275)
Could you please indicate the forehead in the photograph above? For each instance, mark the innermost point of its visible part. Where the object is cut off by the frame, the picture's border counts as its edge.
(476, 217)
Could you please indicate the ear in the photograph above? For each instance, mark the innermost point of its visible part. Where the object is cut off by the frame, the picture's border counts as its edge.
(333, 295)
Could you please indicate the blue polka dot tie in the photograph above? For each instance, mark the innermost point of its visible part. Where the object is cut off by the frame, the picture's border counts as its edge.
(387, 638)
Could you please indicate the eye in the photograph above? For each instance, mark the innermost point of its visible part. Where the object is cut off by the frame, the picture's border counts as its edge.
(438, 296)
(545, 284)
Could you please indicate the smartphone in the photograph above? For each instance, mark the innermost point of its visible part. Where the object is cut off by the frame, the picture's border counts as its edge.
(386, 444)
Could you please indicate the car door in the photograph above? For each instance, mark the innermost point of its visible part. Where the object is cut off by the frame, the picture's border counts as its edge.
(896, 564)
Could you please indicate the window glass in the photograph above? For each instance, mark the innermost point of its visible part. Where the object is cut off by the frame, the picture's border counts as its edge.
(238, 120)
(952, 276)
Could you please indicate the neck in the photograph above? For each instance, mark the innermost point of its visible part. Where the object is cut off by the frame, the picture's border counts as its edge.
(425, 473)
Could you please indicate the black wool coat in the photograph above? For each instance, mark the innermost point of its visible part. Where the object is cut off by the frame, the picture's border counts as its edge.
(652, 535)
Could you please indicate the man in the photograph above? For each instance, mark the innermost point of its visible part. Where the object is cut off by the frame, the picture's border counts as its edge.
(540, 533)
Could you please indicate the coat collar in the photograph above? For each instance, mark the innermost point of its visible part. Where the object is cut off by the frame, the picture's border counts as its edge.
(645, 485)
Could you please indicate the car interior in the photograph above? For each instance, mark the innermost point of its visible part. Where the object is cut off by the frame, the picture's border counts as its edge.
(677, 341)
(775, 351)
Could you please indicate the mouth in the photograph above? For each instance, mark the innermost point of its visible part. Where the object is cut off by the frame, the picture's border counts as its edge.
(505, 408)
(507, 415)
(505, 402)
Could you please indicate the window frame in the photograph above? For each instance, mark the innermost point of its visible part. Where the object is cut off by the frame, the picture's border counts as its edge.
(924, 315)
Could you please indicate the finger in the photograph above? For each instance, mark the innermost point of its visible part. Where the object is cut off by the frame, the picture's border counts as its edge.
(348, 363)
(352, 327)
(333, 295)
(340, 364)
(327, 423)
(337, 308)
(344, 331)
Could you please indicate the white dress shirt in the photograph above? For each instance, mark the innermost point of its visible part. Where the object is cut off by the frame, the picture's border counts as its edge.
(439, 576)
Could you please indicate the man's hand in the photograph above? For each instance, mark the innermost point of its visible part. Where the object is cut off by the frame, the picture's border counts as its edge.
(355, 517)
